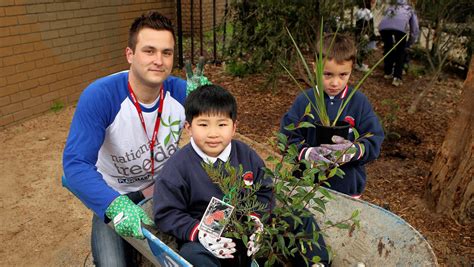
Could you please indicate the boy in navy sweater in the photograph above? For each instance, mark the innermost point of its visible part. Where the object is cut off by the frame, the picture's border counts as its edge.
(339, 57)
(183, 189)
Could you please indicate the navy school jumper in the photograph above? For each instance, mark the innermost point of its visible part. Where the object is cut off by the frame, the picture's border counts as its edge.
(360, 115)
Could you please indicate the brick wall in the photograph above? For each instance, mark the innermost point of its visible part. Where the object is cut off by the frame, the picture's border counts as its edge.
(50, 50)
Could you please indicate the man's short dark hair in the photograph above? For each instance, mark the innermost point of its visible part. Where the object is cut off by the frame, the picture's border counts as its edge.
(338, 47)
(210, 100)
(151, 19)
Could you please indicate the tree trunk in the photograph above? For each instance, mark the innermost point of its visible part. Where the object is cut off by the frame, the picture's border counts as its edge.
(450, 184)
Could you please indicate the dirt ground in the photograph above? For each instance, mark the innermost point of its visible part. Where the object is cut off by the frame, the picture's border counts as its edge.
(42, 224)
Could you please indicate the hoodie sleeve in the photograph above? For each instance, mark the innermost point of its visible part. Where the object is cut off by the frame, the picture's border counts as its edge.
(414, 28)
(92, 116)
(368, 149)
(169, 205)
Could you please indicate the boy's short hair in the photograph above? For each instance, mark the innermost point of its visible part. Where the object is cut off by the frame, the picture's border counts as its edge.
(151, 19)
(338, 47)
(210, 100)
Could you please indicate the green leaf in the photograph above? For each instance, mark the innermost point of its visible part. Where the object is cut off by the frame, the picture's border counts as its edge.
(356, 133)
(177, 122)
(325, 193)
(245, 240)
(307, 110)
(343, 226)
(355, 214)
(290, 127)
(306, 124)
(164, 123)
(167, 139)
(282, 138)
(320, 203)
(281, 242)
(332, 172)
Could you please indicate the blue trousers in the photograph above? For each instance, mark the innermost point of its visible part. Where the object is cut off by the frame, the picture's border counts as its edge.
(108, 248)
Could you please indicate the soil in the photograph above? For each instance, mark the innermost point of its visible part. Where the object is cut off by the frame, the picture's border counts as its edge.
(42, 224)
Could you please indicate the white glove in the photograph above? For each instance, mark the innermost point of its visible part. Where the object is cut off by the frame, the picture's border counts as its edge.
(254, 244)
(315, 154)
(342, 145)
(220, 247)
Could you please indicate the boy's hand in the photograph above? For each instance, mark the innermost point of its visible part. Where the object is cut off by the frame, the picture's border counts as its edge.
(127, 217)
(197, 78)
(254, 244)
(316, 154)
(221, 247)
(342, 151)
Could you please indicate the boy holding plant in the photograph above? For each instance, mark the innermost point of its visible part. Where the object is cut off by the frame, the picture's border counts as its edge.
(339, 54)
(184, 189)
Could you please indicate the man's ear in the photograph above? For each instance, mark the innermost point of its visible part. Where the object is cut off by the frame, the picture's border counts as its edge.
(187, 127)
(129, 54)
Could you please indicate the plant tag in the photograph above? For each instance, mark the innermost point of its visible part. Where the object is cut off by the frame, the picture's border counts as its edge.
(216, 217)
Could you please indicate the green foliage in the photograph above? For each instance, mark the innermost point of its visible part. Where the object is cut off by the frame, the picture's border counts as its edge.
(293, 198)
(389, 119)
(259, 36)
(57, 106)
(239, 68)
(450, 30)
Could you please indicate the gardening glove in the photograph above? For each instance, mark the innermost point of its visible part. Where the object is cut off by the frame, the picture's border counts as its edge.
(127, 217)
(315, 154)
(195, 79)
(254, 245)
(341, 145)
(221, 247)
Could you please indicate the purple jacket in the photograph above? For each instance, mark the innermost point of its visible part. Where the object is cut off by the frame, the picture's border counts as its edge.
(401, 17)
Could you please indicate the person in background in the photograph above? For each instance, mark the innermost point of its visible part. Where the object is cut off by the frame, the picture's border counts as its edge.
(364, 33)
(398, 20)
(126, 125)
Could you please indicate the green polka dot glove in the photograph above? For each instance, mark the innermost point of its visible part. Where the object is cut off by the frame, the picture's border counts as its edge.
(196, 78)
(127, 217)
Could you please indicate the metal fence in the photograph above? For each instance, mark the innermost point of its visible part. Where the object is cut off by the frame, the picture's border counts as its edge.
(199, 38)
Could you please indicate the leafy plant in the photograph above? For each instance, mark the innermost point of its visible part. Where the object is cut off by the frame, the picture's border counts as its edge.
(293, 198)
(259, 37)
(390, 118)
(57, 106)
(315, 78)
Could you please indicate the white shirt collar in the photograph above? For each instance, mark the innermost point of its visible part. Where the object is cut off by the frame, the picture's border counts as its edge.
(224, 155)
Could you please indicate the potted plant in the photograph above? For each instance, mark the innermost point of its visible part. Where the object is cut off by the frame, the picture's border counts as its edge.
(293, 197)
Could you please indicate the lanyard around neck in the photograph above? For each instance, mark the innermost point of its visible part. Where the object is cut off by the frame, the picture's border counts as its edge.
(142, 120)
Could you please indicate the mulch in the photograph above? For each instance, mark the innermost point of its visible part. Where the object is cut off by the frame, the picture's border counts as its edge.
(396, 181)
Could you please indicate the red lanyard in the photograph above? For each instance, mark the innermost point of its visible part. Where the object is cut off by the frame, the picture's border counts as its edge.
(157, 123)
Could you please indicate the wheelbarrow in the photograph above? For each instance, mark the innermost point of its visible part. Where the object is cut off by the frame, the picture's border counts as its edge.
(383, 239)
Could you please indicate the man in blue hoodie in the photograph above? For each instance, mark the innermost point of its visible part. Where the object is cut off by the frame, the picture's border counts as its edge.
(398, 20)
(123, 131)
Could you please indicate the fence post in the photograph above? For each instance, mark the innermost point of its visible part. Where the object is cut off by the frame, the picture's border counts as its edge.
(179, 18)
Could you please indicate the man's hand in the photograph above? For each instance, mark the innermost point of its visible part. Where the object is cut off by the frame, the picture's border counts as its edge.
(197, 78)
(220, 247)
(341, 151)
(127, 217)
(254, 242)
